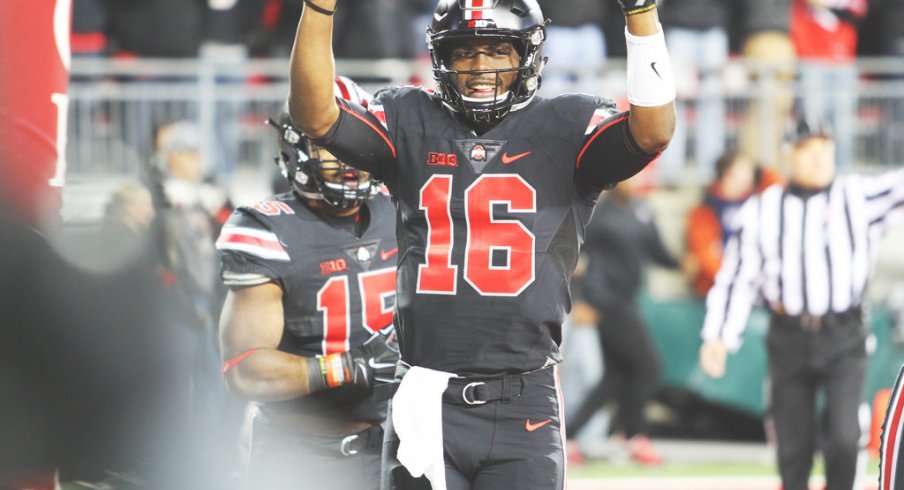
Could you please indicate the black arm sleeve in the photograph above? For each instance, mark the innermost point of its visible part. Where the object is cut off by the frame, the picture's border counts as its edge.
(360, 140)
(610, 154)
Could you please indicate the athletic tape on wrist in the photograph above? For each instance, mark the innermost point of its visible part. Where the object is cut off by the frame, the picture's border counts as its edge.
(651, 81)
(334, 371)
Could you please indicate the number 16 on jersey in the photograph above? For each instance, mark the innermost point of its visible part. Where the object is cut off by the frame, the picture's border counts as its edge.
(499, 255)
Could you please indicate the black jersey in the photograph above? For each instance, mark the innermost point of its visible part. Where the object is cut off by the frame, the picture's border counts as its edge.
(490, 228)
(337, 289)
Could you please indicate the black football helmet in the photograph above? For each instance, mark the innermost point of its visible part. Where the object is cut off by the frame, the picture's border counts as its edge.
(314, 177)
(518, 21)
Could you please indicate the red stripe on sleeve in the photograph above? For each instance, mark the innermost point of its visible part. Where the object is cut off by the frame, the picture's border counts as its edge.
(251, 240)
(371, 125)
(595, 135)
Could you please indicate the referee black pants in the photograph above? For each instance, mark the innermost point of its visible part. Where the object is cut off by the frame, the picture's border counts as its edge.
(804, 360)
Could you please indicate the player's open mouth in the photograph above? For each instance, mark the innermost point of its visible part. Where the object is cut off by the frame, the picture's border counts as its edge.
(481, 89)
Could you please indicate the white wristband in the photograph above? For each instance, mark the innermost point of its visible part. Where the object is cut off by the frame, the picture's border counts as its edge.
(651, 81)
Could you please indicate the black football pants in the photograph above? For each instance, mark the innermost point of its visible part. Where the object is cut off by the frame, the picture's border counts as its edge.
(801, 363)
(515, 444)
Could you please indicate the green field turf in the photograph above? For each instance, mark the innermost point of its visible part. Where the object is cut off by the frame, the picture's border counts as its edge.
(605, 469)
(602, 469)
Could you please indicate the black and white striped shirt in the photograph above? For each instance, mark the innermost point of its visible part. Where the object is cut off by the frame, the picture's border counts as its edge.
(805, 253)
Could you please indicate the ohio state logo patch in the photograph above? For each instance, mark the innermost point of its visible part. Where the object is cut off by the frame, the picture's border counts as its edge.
(479, 153)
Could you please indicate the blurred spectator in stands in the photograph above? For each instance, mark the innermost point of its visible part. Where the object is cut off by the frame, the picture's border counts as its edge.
(882, 34)
(370, 28)
(217, 31)
(161, 28)
(622, 238)
(158, 28)
(891, 37)
(128, 221)
(824, 33)
(88, 36)
(890, 27)
(144, 437)
(189, 209)
(574, 40)
(697, 35)
(769, 52)
(712, 222)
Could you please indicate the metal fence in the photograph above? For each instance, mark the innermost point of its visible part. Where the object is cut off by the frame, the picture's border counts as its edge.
(115, 106)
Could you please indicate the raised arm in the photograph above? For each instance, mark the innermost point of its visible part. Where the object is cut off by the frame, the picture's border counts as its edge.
(651, 84)
(623, 144)
(312, 104)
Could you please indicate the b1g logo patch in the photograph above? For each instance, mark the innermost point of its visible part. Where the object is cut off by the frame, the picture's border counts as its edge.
(436, 159)
(891, 465)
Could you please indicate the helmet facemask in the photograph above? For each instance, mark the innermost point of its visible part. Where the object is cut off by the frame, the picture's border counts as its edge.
(502, 22)
(315, 174)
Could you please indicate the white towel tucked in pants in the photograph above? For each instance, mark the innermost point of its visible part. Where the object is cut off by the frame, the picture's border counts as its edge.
(418, 421)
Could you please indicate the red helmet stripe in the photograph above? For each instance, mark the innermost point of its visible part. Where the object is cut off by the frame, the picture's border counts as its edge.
(472, 9)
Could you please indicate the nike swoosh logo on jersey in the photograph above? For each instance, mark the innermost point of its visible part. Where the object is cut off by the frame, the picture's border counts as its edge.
(380, 365)
(653, 66)
(386, 254)
(506, 159)
(532, 427)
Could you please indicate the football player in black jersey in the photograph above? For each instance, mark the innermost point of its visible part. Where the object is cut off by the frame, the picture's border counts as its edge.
(493, 188)
(307, 326)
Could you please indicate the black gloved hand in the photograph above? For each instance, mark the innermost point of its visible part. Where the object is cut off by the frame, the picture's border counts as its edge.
(375, 360)
(634, 7)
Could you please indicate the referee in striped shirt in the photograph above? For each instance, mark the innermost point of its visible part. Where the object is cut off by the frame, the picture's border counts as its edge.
(808, 251)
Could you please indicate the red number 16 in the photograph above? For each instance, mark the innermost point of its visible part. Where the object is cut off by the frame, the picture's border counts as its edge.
(506, 240)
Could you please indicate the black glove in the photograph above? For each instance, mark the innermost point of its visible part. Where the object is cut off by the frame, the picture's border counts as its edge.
(375, 360)
(633, 7)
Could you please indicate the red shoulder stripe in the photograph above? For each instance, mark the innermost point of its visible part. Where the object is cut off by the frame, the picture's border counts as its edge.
(342, 88)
